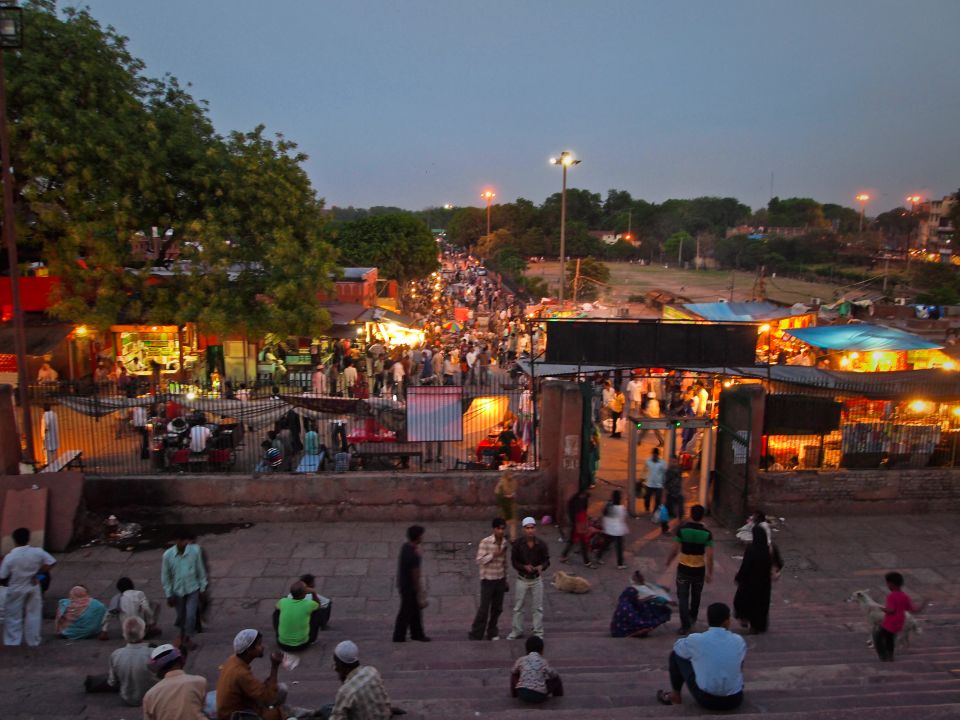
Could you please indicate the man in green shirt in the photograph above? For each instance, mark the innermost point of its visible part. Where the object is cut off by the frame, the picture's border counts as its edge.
(296, 619)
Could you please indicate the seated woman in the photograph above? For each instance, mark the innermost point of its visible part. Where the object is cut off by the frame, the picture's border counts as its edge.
(642, 607)
(79, 616)
(532, 679)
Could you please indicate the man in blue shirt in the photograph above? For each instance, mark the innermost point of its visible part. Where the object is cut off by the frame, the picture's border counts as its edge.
(184, 576)
(709, 663)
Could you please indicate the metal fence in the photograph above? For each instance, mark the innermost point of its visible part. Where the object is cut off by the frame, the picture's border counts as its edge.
(483, 424)
(873, 434)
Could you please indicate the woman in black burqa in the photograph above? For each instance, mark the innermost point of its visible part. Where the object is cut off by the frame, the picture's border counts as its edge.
(761, 564)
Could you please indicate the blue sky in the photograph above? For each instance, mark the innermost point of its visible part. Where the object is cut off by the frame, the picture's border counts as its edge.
(416, 103)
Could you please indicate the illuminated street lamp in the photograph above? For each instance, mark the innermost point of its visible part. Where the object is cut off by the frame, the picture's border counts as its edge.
(11, 38)
(863, 199)
(488, 195)
(565, 160)
(914, 200)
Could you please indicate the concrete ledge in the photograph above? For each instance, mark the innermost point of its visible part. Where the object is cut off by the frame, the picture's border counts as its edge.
(64, 506)
(287, 497)
(857, 491)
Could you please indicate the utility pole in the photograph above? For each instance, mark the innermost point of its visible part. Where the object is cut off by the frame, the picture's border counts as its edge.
(733, 279)
(576, 282)
(696, 263)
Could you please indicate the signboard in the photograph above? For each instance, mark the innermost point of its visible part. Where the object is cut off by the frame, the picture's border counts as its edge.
(435, 414)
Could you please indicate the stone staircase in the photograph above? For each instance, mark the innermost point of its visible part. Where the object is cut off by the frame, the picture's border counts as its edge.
(813, 664)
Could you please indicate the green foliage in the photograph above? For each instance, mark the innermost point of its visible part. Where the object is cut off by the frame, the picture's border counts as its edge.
(680, 244)
(847, 220)
(399, 244)
(621, 250)
(936, 283)
(466, 226)
(591, 272)
(103, 152)
(795, 212)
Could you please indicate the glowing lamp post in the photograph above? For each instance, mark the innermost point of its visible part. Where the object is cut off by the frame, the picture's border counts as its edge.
(863, 199)
(565, 160)
(488, 195)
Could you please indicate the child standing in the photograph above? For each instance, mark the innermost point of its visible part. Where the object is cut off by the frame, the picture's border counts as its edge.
(895, 611)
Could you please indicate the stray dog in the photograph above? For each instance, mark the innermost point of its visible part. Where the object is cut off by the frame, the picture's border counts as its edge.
(570, 583)
(874, 613)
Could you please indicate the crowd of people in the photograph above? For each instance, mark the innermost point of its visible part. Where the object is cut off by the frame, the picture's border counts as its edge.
(708, 663)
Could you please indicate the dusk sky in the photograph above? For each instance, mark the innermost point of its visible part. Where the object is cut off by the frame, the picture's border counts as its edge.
(416, 104)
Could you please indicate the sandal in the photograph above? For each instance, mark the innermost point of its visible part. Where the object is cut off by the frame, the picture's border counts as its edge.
(663, 697)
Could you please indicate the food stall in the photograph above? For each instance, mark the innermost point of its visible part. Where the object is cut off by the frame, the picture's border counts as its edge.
(865, 347)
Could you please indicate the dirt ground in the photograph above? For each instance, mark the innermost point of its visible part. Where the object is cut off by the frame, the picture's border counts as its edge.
(698, 285)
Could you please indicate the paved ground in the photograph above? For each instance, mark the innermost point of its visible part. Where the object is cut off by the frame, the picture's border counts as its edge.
(355, 564)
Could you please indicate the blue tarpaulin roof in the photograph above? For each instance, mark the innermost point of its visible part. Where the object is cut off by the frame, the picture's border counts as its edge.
(861, 336)
(738, 311)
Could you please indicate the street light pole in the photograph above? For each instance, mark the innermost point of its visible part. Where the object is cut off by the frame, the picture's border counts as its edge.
(913, 200)
(11, 37)
(565, 160)
(488, 195)
(863, 199)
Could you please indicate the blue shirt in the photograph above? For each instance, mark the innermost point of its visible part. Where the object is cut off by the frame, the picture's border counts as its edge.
(716, 656)
(656, 473)
(183, 574)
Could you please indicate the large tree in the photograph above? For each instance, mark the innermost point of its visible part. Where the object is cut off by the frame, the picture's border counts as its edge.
(103, 152)
(399, 244)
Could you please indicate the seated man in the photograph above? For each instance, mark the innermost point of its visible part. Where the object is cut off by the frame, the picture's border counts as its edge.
(177, 696)
(296, 619)
(130, 674)
(362, 695)
(326, 604)
(239, 691)
(130, 602)
(710, 663)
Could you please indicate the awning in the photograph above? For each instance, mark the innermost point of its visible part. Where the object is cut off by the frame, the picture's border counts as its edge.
(740, 311)
(902, 384)
(862, 337)
(41, 339)
(379, 314)
(548, 369)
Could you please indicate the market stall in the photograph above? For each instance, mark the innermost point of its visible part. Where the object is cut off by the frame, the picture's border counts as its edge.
(864, 347)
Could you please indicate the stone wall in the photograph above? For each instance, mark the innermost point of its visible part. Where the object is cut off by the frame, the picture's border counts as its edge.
(346, 496)
(856, 491)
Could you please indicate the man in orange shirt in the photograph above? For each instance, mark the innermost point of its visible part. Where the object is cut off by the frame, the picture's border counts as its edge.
(239, 691)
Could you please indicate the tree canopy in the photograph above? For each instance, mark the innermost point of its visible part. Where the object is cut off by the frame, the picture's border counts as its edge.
(399, 244)
(103, 152)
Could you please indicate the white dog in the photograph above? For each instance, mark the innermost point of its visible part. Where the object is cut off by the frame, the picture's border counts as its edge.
(570, 583)
(874, 612)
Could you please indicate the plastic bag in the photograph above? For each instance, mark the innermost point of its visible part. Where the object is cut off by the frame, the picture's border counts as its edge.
(660, 515)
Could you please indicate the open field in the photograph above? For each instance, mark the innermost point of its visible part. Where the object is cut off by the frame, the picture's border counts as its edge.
(698, 285)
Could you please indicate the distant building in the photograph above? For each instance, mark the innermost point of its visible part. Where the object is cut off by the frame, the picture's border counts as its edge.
(608, 237)
(760, 231)
(355, 285)
(935, 229)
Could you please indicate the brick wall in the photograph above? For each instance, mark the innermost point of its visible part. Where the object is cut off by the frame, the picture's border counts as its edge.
(857, 491)
(347, 496)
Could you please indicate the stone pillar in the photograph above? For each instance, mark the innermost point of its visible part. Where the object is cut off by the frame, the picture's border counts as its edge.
(548, 432)
(570, 434)
(9, 435)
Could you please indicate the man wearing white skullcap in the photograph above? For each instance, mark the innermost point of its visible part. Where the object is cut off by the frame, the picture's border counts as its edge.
(239, 691)
(362, 695)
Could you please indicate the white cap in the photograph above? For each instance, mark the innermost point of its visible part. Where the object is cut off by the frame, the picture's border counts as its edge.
(244, 640)
(347, 652)
(529, 521)
(162, 649)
